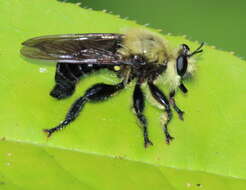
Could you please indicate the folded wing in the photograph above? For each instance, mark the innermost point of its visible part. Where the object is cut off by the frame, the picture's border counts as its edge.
(94, 48)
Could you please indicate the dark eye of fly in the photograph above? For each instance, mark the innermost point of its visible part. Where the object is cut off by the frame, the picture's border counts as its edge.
(181, 62)
(181, 65)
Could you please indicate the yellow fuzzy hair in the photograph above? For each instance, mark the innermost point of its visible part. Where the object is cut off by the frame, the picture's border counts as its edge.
(143, 42)
(170, 77)
(156, 49)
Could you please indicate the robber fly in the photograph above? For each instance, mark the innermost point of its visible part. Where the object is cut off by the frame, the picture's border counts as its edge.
(138, 55)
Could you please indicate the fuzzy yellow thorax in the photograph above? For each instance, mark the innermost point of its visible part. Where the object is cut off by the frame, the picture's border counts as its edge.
(145, 43)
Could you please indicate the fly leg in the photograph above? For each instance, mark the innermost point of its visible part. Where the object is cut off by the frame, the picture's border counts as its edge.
(175, 107)
(97, 92)
(173, 103)
(161, 98)
(138, 103)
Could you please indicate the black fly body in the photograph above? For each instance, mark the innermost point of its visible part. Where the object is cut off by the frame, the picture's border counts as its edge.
(138, 55)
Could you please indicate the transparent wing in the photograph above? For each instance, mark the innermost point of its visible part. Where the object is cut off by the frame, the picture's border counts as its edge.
(94, 48)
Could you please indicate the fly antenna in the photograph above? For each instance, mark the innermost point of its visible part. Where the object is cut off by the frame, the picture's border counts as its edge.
(198, 50)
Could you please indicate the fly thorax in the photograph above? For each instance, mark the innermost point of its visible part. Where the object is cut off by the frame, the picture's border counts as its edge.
(144, 43)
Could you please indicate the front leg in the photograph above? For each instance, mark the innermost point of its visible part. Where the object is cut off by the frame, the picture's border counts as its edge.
(175, 107)
(172, 100)
(183, 88)
(161, 98)
(138, 103)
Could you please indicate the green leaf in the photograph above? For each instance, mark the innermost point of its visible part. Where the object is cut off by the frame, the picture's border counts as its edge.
(103, 149)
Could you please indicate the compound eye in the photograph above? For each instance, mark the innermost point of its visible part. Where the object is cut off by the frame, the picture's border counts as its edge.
(181, 65)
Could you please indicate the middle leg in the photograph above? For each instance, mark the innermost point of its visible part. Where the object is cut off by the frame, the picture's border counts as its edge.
(161, 98)
(138, 103)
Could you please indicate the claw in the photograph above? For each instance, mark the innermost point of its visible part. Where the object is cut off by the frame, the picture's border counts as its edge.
(169, 138)
(147, 143)
(48, 132)
(181, 115)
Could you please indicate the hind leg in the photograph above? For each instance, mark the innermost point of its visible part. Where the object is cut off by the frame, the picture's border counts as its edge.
(97, 92)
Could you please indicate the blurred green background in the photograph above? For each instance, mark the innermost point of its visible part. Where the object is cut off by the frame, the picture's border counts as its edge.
(220, 23)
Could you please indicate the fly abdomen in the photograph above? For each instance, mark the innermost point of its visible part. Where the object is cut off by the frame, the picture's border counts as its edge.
(67, 76)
